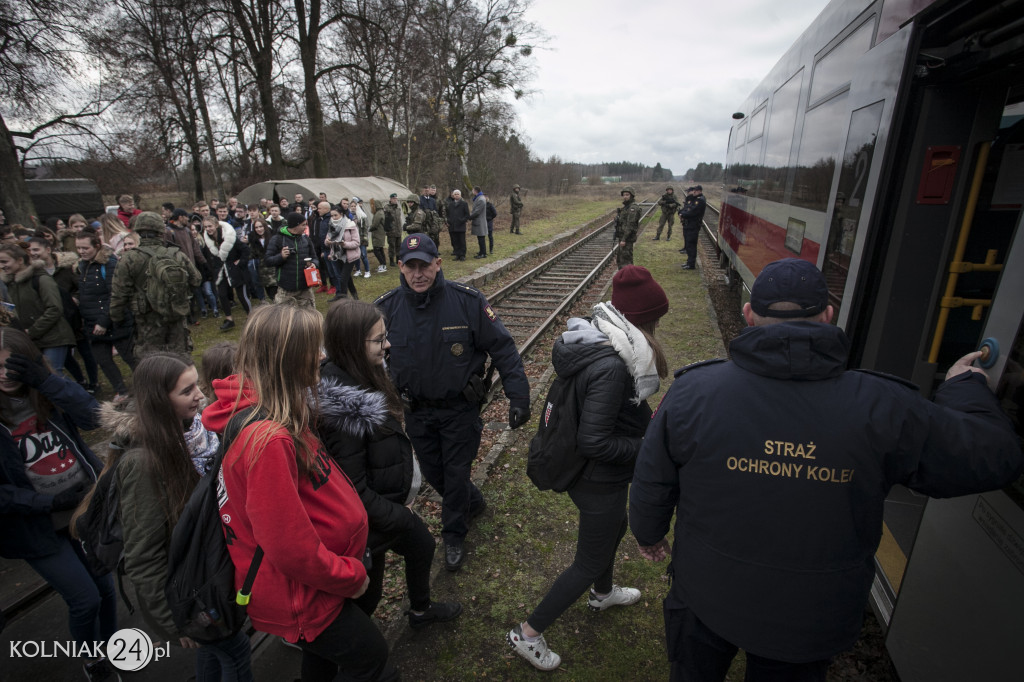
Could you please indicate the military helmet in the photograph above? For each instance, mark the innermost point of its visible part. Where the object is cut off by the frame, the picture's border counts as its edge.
(148, 221)
(413, 197)
(515, 187)
(628, 189)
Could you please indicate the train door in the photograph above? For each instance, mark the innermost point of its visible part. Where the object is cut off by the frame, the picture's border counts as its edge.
(959, 611)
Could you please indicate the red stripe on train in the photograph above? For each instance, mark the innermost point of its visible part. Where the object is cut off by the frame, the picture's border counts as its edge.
(758, 242)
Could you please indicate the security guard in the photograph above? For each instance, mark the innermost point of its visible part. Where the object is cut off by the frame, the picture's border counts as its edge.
(627, 224)
(779, 510)
(441, 333)
(692, 216)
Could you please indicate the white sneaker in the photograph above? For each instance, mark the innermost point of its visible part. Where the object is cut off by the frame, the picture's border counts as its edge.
(357, 273)
(382, 268)
(619, 596)
(366, 274)
(537, 653)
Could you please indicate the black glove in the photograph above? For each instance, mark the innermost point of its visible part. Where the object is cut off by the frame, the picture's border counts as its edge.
(517, 416)
(69, 499)
(21, 368)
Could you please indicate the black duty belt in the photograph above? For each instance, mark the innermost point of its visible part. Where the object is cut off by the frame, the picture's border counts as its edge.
(415, 404)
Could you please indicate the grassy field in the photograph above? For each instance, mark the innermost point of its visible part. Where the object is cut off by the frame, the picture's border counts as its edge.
(527, 537)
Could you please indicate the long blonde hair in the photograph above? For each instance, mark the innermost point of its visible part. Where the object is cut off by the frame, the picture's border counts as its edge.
(278, 365)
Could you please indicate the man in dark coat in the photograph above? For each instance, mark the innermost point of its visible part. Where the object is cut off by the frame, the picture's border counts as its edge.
(458, 216)
(780, 506)
(291, 252)
(692, 217)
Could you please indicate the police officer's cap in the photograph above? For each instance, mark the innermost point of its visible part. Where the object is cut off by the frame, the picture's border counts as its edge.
(417, 246)
(790, 280)
(698, 187)
(393, 196)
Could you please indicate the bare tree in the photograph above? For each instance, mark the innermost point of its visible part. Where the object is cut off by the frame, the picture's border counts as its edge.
(482, 50)
(33, 68)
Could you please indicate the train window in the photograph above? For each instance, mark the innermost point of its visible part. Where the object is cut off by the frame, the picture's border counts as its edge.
(741, 135)
(816, 161)
(795, 235)
(757, 123)
(833, 71)
(778, 143)
(846, 211)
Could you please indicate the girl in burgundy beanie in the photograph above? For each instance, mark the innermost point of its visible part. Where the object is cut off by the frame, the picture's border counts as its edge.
(615, 364)
(637, 296)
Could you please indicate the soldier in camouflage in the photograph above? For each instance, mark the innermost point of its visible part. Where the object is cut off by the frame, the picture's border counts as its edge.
(669, 205)
(515, 207)
(627, 224)
(393, 228)
(416, 217)
(154, 330)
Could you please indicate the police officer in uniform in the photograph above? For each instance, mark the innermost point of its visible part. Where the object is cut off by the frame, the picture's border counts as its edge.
(780, 506)
(627, 224)
(692, 215)
(441, 333)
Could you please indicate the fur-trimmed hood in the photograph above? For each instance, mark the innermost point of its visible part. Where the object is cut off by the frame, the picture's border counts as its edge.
(33, 268)
(65, 259)
(350, 409)
(120, 420)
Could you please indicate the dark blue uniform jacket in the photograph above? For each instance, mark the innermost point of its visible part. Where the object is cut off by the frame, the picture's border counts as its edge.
(692, 212)
(26, 531)
(780, 461)
(442, 336)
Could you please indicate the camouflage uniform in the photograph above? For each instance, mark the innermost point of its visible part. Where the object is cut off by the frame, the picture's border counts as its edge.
(627, 224)
(417, 216)
(393, 230)
(153, 331)
(669, 205)
(515, 207)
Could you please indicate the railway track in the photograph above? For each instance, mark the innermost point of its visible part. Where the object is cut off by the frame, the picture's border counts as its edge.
(529, 305)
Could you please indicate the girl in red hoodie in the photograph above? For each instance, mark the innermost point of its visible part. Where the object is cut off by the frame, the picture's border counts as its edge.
(282, 493)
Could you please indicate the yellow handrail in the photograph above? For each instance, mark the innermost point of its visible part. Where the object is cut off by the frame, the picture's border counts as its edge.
(957, 265)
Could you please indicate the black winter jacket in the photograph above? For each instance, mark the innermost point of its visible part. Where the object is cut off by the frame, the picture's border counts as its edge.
(94, 282)
(290, 276)
(26, 528)
(611, 427)
(368, 443)
(778, 464)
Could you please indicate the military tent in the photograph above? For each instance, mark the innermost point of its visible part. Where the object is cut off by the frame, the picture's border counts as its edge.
(366, 188)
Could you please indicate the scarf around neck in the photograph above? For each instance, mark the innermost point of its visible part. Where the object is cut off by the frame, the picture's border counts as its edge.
(631, 345)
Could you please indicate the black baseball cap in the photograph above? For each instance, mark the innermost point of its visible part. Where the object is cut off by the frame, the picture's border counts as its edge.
(417, 246)
(790, 280)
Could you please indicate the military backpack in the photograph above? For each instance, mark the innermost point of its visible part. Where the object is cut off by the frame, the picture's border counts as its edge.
(166, 288)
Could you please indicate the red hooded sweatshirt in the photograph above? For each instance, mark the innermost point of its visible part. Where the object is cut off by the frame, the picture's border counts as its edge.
(312, 526)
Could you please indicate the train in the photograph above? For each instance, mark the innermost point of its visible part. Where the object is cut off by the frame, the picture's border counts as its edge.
(887, 147)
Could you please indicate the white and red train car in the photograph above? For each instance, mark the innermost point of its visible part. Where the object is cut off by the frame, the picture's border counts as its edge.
(887, 147)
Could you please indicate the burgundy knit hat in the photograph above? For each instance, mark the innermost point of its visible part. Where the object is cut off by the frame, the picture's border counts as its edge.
(637, 296)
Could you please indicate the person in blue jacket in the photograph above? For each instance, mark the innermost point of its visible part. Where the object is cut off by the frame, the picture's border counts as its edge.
(777, 464)
(441, 333)
(46, 469)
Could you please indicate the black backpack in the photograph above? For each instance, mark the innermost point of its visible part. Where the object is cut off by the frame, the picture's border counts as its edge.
(554, 462)
(99, 531)
(200, 584)
(492, 212)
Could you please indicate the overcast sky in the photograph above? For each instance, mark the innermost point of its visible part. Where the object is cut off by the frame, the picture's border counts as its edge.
(651, 80)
